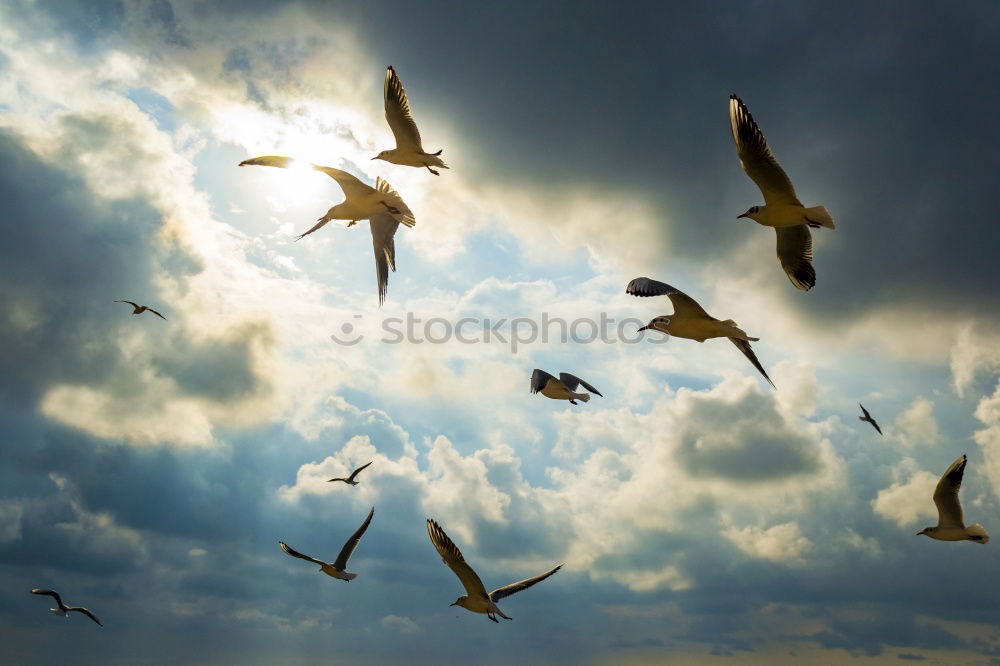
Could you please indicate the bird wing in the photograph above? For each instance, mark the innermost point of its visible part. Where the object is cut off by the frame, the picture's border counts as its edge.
(351, 185)
(744, 346)
(867, 415)
(756, 157)
(946, 495)
(795, 252)
(156, 313)
(572, 381)
(513, 588)
(352, 543)
(539, 378)
(452, 556)
(357, 471)
(295, 553)
(337, 479)
(405, 214)
(51, 593)
(85, 612)
(397, 113)
(129, 302)
(684, 305)
(383, 227)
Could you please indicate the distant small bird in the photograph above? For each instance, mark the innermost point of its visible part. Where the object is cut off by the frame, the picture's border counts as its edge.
(868, 418)
(336, 569)
(139, 309)
(690, 320)
(560, 389)
(350, 479)
(408, 151)
(476, 599)
(63, 609)
(951, 525)
(782, 208)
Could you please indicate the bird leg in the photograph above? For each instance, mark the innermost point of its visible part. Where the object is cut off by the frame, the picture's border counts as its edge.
(490, 615)
(432, 170)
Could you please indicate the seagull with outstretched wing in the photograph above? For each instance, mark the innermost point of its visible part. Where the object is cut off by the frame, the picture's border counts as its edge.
(350, 479)
(867, 418)
(476, 598)
(139, 309)
(782, 208)
(690, 320)
(563, 388)
(951, 523)
(62, 610)
(337, 568)
(408, 151)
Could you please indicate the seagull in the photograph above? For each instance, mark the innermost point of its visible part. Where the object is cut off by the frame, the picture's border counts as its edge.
(476, 599)
(337, 567)
(951, 526)
(350, 479)
(408, 150)
(782, 208)
(562, 388)
(63, 609)
(868, 418)
(690, 320)
(381, 205)
(139, 309)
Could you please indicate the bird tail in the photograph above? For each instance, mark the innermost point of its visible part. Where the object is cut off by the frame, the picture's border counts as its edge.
(820, 216)
(349, 576)
(582, 397)
(978, 533)
(742, 334)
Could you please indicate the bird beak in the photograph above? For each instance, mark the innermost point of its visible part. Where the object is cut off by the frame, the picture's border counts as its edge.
(453, 604)
(920, 532)
(644, 328)
(739, 216)
(375, 158)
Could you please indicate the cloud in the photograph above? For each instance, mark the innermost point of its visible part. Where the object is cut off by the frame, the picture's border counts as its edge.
(782, 543)
(907, 502)
(917, 424)
(403, 625)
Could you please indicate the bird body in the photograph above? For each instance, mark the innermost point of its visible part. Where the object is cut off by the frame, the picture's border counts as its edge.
(782, 208)
(409, 150)
(139, 309)
(951, 524)
(338, 568)
(691, 321)
(563, 388)
(62, 610)
(476, 599)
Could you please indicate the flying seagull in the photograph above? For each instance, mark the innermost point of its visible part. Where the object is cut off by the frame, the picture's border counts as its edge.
(408, 150)
(782, 208)
(336, 569)
(351, 478)
(63, 609)
(690, 320)
(951, 526)
(381, 205)
(868, 418)
(139, 309)
(476, 599)
(562, 388)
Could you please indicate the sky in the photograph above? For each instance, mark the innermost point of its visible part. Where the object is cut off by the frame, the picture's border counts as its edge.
(148, 468)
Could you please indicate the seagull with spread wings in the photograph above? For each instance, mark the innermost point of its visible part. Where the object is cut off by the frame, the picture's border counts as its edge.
(381, 205)
(337, 568)
(951, 524)
(867, 418)
(62, 609)
(690, 320)
(408, 151)
(477, 599)
(782, 208)
(350, 479)
(563, 388)
(139, 309)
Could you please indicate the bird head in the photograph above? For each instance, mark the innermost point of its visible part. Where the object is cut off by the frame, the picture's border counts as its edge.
(657, 324)
(384, 155)
(751, 213)
(461, 601)
(926, 531)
